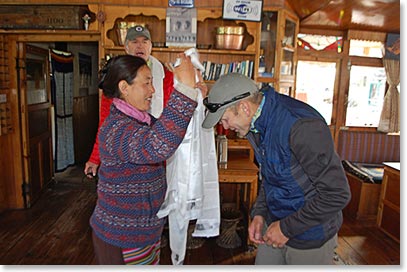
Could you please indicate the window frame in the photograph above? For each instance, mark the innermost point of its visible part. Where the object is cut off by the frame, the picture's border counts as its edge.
(335, 97)
(359, 61)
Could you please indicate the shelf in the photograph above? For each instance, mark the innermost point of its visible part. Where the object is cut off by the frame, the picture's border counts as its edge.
(273, 39)
(207, 51)
(278, 49)
(288, 48)
(266, 79)
(181, 49)
(53, 31)
(42, 35)
(287, 79)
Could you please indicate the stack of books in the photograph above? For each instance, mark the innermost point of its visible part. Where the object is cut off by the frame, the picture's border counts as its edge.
(214, 70)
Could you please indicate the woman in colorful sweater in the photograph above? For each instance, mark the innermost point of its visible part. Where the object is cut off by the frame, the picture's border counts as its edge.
(133, 147)
(138, 43)
(94, 160)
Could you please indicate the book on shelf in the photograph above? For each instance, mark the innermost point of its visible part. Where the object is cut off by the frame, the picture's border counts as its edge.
(215, 70)
(204, 63)
(211, 71)
(227, 65)
(251, 64)
(222, 69)
(243, 67)
(218, 68)
(207, 68)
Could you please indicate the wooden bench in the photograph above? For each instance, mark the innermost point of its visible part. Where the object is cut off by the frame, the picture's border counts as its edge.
(366, 147)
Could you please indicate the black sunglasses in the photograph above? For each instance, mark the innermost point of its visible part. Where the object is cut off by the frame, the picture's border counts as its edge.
(213, 107)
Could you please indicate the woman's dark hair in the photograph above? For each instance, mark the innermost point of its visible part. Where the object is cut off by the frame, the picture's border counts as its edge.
(122, 67)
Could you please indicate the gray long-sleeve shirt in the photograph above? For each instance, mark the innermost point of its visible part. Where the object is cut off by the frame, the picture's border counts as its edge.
(312, 148)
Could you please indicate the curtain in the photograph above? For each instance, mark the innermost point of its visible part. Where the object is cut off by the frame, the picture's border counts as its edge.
(390, 116)
(62, 98)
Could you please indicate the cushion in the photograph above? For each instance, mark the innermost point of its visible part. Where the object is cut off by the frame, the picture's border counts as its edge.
(368, 172)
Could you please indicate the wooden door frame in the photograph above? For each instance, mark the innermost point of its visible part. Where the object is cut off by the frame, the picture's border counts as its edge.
(45, 172)
(13, 175)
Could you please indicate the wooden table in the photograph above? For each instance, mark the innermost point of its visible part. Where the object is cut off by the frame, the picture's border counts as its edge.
(241, 170)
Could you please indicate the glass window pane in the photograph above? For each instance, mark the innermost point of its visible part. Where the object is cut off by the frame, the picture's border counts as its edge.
(366, 49)
(36, 81)
(315, 85)
(366, 94)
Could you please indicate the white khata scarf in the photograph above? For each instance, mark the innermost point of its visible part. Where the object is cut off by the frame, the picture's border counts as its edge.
(157, 71)
(193, 187)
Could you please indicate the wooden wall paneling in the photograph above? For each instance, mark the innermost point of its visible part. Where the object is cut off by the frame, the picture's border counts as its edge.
(357, 14)
(6, 169)
(94, 25)
(85, 120)
(10, 144)
(4, 65)
(155, 3)
(116, 13)
(42, 16)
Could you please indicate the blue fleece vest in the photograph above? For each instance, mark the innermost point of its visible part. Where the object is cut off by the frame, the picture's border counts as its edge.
(284, 195)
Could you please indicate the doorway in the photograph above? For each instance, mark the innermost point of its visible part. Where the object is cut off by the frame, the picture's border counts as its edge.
(38, 121)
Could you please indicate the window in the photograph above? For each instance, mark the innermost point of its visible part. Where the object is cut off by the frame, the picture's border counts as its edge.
(366, 94)
(315, 85)
(366, 49)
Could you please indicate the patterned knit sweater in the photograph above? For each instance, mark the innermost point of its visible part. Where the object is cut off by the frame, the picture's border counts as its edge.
(132, 181)
(105, 103)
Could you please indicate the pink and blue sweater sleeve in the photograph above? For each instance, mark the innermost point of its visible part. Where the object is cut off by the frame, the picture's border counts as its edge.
(127, 140)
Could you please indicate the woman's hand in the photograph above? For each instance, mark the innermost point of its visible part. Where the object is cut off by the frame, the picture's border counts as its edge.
(201, 85)
(185, 71)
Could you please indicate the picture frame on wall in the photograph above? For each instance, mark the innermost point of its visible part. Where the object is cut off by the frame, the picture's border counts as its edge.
(245, 10)
(392, 46)
(181, 27)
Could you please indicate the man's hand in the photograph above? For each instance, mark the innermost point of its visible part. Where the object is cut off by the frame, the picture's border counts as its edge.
(91, 169)
(274, 236)
(256, 230)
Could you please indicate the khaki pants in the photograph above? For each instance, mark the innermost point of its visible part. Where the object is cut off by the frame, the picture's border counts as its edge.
(267, 255)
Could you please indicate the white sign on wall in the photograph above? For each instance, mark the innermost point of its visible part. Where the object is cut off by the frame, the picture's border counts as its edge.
(181, 27)
(246, 10)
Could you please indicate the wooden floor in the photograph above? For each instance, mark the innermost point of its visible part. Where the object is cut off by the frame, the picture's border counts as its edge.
(55, 231)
